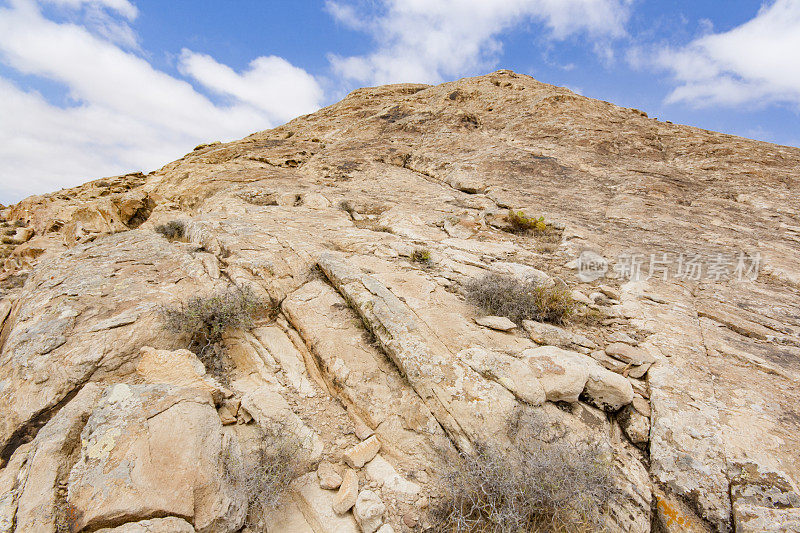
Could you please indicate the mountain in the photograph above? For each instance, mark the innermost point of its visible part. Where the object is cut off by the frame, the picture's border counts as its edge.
(356, 320)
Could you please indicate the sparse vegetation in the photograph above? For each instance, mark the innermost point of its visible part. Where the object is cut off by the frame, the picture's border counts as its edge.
(589, 317)
(172, 230)
(547, 488)
(205, 319)
(520, 299)
(521, 223)
(347, 207)
(421, 255)
(264, 475)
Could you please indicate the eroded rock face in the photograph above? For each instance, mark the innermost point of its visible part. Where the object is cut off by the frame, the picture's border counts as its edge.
(358, 227)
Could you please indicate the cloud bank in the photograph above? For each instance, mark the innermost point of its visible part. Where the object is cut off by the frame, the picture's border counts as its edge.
(433, 40)
(756, 63)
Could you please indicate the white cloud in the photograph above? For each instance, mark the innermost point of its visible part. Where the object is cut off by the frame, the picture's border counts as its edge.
(125, 115)
(123, 7)
(757, 62)
(430, 40)
(272, 84)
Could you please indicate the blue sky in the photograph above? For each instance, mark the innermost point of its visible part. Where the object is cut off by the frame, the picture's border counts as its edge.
(90, 88)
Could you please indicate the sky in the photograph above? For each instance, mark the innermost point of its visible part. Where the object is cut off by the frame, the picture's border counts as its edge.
(93, 88)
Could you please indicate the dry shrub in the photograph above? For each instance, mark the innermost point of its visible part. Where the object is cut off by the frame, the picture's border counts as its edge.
(264, 475)
(205, 319)
(520, 299)
(172, 230)
(550, 488)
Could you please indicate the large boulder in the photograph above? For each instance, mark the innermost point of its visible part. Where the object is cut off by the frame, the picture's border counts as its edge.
(150, 451)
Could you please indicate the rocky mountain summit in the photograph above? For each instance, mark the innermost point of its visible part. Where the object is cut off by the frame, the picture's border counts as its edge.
(353, 322)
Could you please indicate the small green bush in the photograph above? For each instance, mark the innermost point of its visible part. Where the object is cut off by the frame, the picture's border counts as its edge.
(172, 230)
(421, 255)
(520, 223)
(520, 299)
(547, 488)
(205, 319)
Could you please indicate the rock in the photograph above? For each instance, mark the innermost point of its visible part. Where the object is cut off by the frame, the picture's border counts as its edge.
(500, 323)
(565, 375)
(641, 405)
(229, 411)
(37, 505)
(521, 271)
(180, 368)
(348, 492)
(316, 505)
(386, 528)
(754, 519)
(513, 374)
(630, 502)
(381, 471)
(635, 425)
(629, 354)
(11, 478)
(562, 374)
(315, 201)
(270, 409)
(599, 298)
(674, 516)
(408, 224)
(363, 452)
(155, 525)
(607, 390)
(86, 322)
(329, 478)
(22, 235)
(362, 430)
(610, 292)
(466, 181)
(579, 297)
(547, 334)
(173, 437)
(621, 336)
(368, 511)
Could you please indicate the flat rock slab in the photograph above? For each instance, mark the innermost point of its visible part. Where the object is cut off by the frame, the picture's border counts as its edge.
(499, 323)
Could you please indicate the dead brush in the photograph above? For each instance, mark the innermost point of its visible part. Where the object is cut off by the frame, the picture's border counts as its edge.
(520, 299)
(173, 230)
(550, 488)
(204, 319)
(264, 474)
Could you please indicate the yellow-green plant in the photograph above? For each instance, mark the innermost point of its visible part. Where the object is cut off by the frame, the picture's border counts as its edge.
(521, 223)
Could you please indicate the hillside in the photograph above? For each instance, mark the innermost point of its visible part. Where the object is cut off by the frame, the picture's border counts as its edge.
(351, 250)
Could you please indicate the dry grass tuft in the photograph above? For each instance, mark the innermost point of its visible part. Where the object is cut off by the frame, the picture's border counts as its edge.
(552, 488)
(520, 299)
